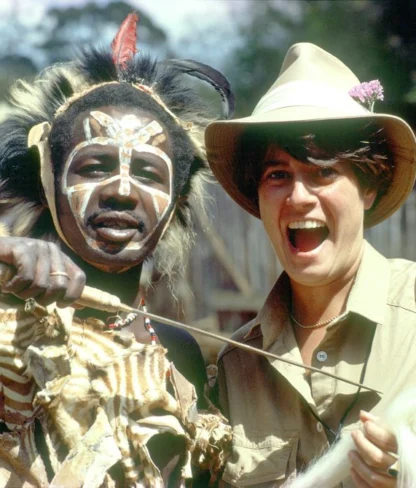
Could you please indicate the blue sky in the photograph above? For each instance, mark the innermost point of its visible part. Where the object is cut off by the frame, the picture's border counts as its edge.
(169, 13)
(209, 23)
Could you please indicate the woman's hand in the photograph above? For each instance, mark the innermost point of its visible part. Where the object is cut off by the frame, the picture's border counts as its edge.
(371, 460)
(39, 270)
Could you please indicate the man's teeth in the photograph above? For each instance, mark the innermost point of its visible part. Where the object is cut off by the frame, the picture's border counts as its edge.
(306, 224)
(118, 226)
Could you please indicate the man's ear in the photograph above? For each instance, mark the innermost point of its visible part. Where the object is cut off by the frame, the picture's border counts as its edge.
(369, 195)
(35, 158)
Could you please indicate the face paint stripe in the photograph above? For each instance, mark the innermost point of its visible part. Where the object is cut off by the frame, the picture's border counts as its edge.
(87, 186)
(157, 141)
(87, 129)
(154, 191)
(156, 206)
(125, 161)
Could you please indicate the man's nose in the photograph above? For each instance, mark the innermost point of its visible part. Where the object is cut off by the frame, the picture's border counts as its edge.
(300, 194)
(120, 194)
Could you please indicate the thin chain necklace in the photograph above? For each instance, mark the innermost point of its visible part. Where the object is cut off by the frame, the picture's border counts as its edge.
(319, 324)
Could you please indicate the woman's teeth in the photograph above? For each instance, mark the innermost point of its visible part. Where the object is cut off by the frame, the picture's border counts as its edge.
(306, 224)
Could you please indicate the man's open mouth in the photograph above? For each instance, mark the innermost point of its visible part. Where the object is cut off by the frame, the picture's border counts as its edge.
(307, 235)
(116, 226)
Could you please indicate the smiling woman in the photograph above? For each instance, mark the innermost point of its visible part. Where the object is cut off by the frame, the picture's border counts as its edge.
(313, 216)
(318, 168)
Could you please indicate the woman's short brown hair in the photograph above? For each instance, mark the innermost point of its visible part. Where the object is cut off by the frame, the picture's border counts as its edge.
(320, 143)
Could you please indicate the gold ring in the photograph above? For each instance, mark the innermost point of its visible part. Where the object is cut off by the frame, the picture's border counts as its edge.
(59, 273)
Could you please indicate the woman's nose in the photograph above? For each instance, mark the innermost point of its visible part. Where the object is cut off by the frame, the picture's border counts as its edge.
(300, 194)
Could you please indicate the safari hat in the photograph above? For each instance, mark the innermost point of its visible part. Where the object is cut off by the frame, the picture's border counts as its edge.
(312, 86)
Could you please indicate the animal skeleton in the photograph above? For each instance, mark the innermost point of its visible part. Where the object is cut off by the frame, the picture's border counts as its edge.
(95, 393)
(333, 467)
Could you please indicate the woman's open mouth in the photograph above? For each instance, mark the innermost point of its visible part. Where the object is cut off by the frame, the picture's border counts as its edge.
(307, 235)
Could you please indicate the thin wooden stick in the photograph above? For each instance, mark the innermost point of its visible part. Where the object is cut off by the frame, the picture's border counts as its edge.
(246, 347)
(95, 298)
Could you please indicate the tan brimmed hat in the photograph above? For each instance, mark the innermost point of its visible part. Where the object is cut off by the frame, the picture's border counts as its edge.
(313, 85)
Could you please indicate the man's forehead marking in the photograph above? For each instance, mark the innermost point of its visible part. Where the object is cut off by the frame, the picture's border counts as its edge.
(158, 140)
(129, 130)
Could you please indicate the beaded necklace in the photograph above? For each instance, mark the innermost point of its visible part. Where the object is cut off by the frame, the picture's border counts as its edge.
(116, 322)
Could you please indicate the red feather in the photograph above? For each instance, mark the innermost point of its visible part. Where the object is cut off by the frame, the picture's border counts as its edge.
(124, 43)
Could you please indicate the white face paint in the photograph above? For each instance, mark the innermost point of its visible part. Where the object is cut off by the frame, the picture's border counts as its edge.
(129, 134)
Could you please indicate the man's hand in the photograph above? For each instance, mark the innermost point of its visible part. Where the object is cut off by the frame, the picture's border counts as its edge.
(41, 271)
(371, 459)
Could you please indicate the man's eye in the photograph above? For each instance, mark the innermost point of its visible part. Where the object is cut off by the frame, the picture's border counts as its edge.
(146, 171)
(148, 176)
(94, 170)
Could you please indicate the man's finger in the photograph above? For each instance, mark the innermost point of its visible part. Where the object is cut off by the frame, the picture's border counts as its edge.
(75, 285)
(57, 276)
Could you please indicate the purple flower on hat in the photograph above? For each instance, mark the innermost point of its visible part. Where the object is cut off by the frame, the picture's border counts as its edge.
(367, 93)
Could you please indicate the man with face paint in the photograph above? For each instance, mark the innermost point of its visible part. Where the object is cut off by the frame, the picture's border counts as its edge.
(123, 157)
(96, 169)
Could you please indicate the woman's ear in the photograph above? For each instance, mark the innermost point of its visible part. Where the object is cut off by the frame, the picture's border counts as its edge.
(369, 195)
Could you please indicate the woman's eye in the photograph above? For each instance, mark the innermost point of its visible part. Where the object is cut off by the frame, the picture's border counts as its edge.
(278, 175)
(327, 172)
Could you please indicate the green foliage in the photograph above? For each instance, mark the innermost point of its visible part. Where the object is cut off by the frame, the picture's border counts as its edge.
(353, 31)
(375, 38)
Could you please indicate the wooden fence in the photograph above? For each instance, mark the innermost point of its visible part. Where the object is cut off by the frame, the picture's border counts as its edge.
(396, 237)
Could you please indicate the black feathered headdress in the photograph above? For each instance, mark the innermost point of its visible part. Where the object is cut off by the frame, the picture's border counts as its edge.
(33, 140)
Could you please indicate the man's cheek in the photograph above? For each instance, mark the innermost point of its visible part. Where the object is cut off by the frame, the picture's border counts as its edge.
(78, 201)
(150, 209)
(160, 204)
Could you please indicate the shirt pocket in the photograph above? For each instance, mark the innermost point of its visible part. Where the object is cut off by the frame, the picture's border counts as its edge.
(262, 461)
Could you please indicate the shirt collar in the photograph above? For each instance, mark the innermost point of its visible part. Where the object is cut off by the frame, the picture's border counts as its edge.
(274, 313)
(368, 297)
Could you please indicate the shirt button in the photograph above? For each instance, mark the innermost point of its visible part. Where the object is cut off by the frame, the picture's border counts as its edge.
(319, 427)
(321, 356)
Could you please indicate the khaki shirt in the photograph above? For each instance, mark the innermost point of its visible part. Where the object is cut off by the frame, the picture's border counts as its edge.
(281, 420)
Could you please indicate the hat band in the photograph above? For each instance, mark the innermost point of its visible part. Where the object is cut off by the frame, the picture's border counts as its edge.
(308, 93)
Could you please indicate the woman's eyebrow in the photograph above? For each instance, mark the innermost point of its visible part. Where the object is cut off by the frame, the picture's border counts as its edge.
(268, 163)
